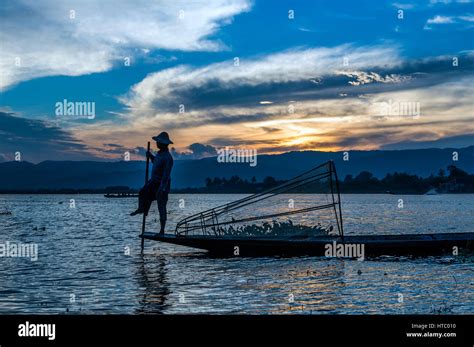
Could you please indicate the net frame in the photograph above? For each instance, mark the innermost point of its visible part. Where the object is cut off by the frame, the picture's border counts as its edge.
(207, 222)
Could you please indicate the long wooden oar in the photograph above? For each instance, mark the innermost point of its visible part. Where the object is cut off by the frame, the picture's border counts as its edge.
(146, 180)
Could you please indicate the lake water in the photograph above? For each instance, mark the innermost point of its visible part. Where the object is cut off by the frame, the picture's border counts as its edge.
(89, 261)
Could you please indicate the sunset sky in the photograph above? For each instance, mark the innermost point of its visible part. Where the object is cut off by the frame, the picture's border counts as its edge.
(276, 76)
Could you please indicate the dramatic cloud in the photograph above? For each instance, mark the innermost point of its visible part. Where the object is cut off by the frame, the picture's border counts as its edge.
(195, 151)
(50, 37)
(362, 77)
(458, 141)
(120, 151)
(223, 93)
(167, 89)
(379, 99)
(37, 140)
(300, 97)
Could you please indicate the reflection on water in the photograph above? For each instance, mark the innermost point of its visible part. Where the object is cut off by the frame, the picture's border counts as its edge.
(89, 261)
(152, 283)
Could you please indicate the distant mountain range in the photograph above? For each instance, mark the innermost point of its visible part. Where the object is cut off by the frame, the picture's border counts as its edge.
(192, 173)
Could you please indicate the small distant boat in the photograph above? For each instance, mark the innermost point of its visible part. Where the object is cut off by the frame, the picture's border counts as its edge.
(5, 212)
(432, 191)
(121, 195)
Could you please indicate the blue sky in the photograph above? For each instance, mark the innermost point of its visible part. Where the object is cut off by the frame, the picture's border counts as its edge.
(316, 81)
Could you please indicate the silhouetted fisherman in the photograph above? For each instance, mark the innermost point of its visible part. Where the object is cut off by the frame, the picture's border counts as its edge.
(158, 186)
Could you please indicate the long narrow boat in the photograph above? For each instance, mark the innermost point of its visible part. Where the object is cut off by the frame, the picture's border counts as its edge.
(374, 245)
(230, 229)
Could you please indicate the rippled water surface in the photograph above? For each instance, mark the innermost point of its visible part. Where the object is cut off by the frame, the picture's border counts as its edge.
(89, 262)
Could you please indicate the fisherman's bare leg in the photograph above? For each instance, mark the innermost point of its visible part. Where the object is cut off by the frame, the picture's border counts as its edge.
(145, 198)
(162, 199)
(141, 202)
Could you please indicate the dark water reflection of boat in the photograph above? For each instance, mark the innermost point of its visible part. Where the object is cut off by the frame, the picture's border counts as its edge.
(151, 277)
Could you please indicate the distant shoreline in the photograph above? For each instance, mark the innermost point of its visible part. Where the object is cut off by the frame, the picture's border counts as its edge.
(87, 192)
(451, 181)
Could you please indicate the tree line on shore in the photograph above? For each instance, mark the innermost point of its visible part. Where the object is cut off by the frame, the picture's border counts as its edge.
(452, 180)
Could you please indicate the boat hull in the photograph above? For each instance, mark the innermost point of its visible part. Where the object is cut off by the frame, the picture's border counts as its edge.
(374, 245)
